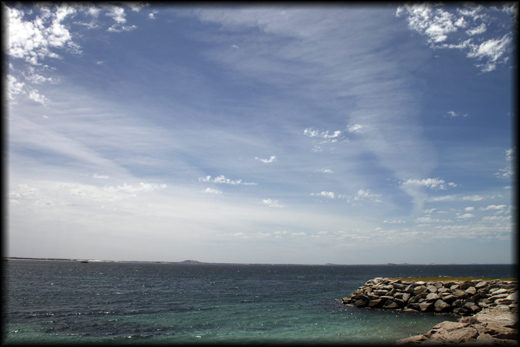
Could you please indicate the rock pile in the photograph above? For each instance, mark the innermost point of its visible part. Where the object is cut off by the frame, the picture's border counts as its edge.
(492, 326)
(457, 297)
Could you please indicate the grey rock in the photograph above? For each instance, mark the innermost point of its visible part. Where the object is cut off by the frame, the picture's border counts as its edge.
(442, 290)
(432, 288)
(412, 340)
(406, 297)
(432, 297)
(380, 292)
(374, 303)
(441, 306)
(471, 291)
(481, 284)
(505, 301)
(460, 293)
(425, 306)
(419, 290)
(409, 288)
(390, 304)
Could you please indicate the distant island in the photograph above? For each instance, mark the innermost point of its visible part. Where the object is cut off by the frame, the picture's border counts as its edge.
(195, 262)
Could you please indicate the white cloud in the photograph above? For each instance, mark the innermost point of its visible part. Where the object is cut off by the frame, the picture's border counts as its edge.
(478, 30)
(272, 203)
(117, 14)
(37, 97)
(490, 51)
(455, 114)
(14, 87)
(298, 234)
(103, 177)
(432, 183)
(508, 171)
(466, 215)
(326, 170)
(493, 207)
(429, 219)
(366, 194)
(333, 137)
(213, 191)
(473, 198)
(33, 40)
(394, 221)
(324, 194)
(457, 198)
(354, 128)
(270, 160)
(469, 208)
(436, 24)
(496, 218)
(223, 180)
(141, 187)
(441, 24)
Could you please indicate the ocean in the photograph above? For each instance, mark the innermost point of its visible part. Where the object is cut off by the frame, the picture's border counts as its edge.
(68, 302)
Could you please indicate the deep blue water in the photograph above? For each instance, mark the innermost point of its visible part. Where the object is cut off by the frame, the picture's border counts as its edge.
(152, 303)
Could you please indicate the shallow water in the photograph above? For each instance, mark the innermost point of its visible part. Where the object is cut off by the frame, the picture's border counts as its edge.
(72, 302)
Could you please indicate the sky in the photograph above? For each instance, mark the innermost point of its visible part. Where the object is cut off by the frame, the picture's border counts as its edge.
(258, 134)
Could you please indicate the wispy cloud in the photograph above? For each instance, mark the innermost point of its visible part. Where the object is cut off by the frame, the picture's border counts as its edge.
(384, 116)
(325, 194)
(507, 171)
(452, 114)
(312, 119)
(322, 134)
(432, 183)
(272, 203)
(141, 187)
(466, 215)
(270, 160)
(223, 180)
(366, 194)
(493, 207)
(97, 176)
(213, 191)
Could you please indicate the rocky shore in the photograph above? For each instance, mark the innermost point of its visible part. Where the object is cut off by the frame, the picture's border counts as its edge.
(488, 308)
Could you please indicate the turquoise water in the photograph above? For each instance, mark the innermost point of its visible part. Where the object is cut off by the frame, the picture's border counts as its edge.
(147, 303)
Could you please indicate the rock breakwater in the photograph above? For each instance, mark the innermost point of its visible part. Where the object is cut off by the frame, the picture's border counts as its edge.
(462, 298)
(489, 308)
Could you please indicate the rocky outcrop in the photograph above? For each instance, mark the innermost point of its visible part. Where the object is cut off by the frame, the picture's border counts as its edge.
(462, 298)
(492, 326)
(488, 308)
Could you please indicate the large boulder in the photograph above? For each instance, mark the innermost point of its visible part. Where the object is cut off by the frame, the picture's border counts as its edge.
(432, 297)
(426, 306)
(441, 306)
(419, 290)
(391, 304)
(471, 291)
(460, 294)
(431, 288)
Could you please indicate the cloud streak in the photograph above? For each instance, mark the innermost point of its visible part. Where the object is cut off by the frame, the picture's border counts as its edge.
(223, 180)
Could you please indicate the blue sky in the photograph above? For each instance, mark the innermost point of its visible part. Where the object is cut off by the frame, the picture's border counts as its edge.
(306, 135)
